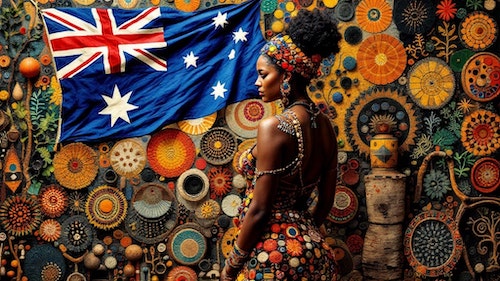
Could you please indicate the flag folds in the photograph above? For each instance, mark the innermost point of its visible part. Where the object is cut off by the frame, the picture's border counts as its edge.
(127, 73)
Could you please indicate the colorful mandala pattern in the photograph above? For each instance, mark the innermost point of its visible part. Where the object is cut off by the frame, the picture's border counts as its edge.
(478, 31)
(75, 166)
(481, 77)
(481, 132)
(20, 215)
(106, 207)
(53, 200)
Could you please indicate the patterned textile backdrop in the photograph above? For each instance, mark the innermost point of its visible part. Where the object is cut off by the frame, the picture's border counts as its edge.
(160, 206)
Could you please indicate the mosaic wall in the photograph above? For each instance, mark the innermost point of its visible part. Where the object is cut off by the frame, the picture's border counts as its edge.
(429, 70)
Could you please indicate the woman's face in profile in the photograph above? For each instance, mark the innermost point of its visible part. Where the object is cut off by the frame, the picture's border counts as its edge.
(268, 80)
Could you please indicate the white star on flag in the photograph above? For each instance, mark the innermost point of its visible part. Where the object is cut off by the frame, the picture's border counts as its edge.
(117, 106)
(220, 20)
(232, 54)
(218, 90)
(240, 35)
(190, 60)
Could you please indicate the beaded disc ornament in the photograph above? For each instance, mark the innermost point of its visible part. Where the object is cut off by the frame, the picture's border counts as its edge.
(480, 132)
(44, 263)
(128, 158)
(171, 152)
(478, 31)
(20, 215)
(77, 233)
(106, 207)
(182, 273)
(187, 245)
(75, 166)
(485, 175)
(151, 230)
(50, 230)
(220, 179)
(344, 207)
(481, 77)
(218, 146)
(53, 200)
(374, 15)
(432, 244)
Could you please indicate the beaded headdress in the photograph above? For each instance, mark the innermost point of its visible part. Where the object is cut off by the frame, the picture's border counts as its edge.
(289, 57)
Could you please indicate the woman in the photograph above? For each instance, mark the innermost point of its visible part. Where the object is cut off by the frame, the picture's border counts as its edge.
(295, 152)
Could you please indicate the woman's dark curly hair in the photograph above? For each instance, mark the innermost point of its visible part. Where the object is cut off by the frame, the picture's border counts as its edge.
(314, 32)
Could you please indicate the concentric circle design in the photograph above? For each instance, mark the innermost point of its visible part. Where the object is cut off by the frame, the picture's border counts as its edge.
(186, 244)
(197, 126)
(344, 207)
(374, 15)
(20, 215)
(44, 263)
(171, 152)
(433, 244)
(50, 230)
(381, 59)
(478, 31)
(208, 210)
(153, 200)
(106, 207)
(220, 180)
(431, 83)
(480, 132)
(414, 16)
(128, 158)
(481, 77)
(53, 200)
(218, 146)
(243, 117)
(193, 185)
(77, 233)
(75, 166)
(381, 104)
(485, 175)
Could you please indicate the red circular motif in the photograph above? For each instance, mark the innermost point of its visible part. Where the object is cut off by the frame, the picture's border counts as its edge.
(485, 175)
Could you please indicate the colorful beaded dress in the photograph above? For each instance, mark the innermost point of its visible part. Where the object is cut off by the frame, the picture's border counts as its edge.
(291, 246)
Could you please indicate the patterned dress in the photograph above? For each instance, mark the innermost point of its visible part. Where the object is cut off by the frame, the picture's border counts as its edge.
(291, 246)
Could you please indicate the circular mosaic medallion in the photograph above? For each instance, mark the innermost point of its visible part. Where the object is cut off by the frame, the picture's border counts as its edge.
(485, 175)
(44, 262)
(243, 117)
(344, 207)
(50, 230)
(432, 244)
(20, 215)
(186, 244)
(153, 200)
(381, 59)
(106, 207)
(151, 230)
(182, 273)
(75, 166)
(481, 77)
(431, 83)
(193, 185)
(77, 233)
(378, 106)
(480, 132)
(220, 179)
(414, 16)
(218, 146)
(374, 15)
(478, 31)
(187, 5)
(128, 158)
(171, 152)
(197, 126)
(53, 200)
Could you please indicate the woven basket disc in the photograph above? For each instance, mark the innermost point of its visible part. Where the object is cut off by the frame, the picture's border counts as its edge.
(193, 185)
(128, 158)
(182, 273)
(153, 200)
(197, 126)
(374, 15)
(152, 230)
(478, 132)
(230, 204)
(187, 245)
(431, 83)
(171, 152)
(244, 117)
(478, 31)
(218, 146)
(75, 165)
(481, 77)
(106, 207)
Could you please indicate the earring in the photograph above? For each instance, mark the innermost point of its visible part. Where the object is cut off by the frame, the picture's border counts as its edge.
(285, 91)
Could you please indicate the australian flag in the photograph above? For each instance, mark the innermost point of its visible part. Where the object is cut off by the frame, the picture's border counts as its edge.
(127, 73)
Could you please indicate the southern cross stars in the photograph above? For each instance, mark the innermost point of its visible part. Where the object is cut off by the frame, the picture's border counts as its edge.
(218, 90)
(220, 20)
(190, 60)
(240, 35)
(117, 106)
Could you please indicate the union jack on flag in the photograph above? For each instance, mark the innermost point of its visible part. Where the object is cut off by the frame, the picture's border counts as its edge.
(127, 73)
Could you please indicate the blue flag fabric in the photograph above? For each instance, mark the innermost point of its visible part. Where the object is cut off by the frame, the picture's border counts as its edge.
(127, 73)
